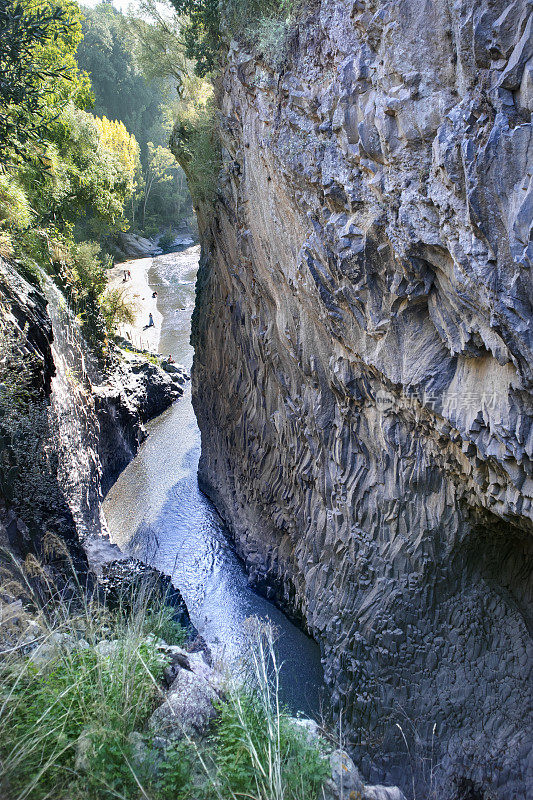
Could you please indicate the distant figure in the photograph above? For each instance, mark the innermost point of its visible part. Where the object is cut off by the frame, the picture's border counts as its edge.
(154, 294)
(129, 275)
(125, 278)
(170, 359)
(150, 321)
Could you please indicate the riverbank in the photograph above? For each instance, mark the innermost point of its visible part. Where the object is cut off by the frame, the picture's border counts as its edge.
(144, 712)
(69, 664)
(136, 291)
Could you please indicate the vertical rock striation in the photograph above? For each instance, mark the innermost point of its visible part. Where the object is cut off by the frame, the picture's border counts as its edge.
(363, 369)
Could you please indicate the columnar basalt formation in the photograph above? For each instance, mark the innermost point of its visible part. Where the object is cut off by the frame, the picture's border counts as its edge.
(363, 369)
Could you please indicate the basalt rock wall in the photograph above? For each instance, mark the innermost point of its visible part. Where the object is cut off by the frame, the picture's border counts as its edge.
(363, 369)
(67, 427)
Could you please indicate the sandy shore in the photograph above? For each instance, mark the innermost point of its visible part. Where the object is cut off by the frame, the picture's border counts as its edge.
(99, 549)
(137, 290)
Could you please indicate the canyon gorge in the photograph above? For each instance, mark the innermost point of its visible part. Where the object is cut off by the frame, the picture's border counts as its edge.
(349, 470)
(363, 369)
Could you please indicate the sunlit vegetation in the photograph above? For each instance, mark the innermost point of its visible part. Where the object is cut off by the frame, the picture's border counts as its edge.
(194, 142)
(209, 24)
(77, 693)
(65, 175)
(137, 67)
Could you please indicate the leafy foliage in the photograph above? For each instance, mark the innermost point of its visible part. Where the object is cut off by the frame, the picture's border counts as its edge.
(137, 65)
(65, 175)
(114, 137)
(116, 310)
(201, 32)
(209, 23)
(161, 622)
(261, 760)
(72, 712)
(66, 718)
(86, 179)
(82, 690)
(14, 204)
(38, 72)
(259, 752)
(195, 144)
(173, 781)
(108, 54)
(160, 52)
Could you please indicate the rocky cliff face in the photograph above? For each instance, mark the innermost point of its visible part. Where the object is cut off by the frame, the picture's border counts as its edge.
(363, 369)
(63, 444)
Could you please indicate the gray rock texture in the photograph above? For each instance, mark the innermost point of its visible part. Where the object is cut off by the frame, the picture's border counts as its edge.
(130, 245)
(80, 426)
(189, 706)
(363, 370)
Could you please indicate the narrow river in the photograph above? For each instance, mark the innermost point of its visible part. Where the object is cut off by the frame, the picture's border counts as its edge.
(156, 512)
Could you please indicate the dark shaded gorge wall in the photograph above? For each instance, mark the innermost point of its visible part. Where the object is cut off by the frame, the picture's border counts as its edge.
(79, 425)
(363, 369)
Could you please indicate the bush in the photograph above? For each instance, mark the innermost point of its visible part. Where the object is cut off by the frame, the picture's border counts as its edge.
(15, 209)
(69, 723)
(240, 16)
(166, 240)
(173, 780)
(194, 143)
(116, 310)
(89, 272)
(259, 752)
(210, 22)
(82, 693)
(161, 623)
(271, 40)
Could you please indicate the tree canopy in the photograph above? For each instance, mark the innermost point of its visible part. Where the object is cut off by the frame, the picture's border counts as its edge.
(65, 175)
(137, 68)
(38, 70)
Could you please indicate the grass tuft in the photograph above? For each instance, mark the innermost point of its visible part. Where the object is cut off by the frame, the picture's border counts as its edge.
(74, 704)
(259, 752)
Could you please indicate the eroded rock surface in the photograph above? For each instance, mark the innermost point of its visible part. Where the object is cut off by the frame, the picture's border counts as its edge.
(363, 370)
(78, 426)
(189, 706)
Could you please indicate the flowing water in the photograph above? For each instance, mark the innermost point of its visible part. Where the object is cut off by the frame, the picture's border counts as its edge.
(156, 512)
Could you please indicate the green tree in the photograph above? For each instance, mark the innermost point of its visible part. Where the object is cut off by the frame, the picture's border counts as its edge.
(38, 70)
(209, 24)
(160, 163)
(137, 66)
(108, 53)
(160, 51)
(201, 32)
(84, 181)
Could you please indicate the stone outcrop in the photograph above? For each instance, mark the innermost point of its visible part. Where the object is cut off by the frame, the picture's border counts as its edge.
(130, 245)
(363, 370)
(78, 427)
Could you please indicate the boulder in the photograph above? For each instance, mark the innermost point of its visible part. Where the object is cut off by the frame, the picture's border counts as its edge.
(307, 726)
(345, 782)
(382, 793)
(189, 704)
(49, 650)
(134, 246)
(188, 708)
